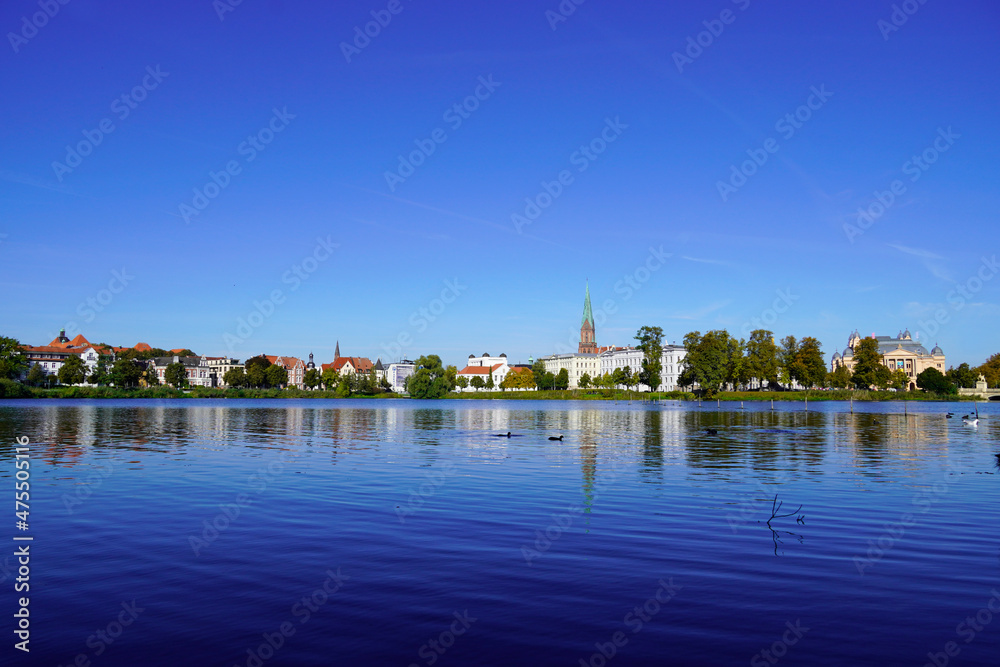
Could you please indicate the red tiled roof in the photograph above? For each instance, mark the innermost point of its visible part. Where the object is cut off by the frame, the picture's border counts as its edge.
(359, 364)
(142, 347)
(479, 370)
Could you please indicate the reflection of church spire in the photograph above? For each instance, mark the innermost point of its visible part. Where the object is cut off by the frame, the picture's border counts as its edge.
(336, 353)
(588, 461)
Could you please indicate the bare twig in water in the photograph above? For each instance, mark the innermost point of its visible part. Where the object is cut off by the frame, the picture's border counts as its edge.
(776, 507)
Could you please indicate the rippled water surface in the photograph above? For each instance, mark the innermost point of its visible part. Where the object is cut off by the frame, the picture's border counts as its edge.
(404, 533)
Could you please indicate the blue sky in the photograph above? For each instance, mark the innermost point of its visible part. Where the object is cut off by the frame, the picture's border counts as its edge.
(784, 247)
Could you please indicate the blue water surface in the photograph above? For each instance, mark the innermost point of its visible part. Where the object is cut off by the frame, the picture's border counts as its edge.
(392, 532)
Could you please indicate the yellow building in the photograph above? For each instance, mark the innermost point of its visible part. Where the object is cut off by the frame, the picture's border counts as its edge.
(898, 353)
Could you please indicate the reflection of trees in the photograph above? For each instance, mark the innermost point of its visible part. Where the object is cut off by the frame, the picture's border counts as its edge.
(652, 445)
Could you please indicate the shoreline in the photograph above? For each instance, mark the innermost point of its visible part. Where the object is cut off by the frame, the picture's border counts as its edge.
(861, 396)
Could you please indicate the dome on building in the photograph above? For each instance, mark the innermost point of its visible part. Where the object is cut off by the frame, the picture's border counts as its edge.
(937, 351)
(486, 354)
(906, 335)
(472, 356)
(836, 355)
(848, 352)
(503, 354)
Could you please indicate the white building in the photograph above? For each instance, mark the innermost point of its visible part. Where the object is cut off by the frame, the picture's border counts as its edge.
(484, 367)
(630, 357)
(397, 373)
(575, 363)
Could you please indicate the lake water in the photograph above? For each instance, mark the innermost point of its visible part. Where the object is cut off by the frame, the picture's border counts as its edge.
(365, 532)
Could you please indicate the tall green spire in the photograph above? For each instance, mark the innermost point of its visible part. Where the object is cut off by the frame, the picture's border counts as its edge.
(588, 315)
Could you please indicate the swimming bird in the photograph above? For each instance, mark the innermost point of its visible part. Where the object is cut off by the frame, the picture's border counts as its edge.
(502, 435)
(552, 437)
(876, 422)
(711, 431)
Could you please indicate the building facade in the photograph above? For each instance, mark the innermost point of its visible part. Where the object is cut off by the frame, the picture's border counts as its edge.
(898, 352)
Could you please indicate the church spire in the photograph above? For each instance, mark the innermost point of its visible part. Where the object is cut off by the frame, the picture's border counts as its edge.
(336, 353)
(587, 344)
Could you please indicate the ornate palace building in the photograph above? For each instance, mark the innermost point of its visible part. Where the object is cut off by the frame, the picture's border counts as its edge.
(898, 352)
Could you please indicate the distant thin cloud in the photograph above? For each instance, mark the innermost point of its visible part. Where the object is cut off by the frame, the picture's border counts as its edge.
(21, 179)
(916, 252)
(701, 260)
(702, 313)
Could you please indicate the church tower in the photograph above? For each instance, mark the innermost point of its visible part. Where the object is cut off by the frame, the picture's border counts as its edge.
(587, 344)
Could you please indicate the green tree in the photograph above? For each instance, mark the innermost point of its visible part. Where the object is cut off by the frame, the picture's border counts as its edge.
(762, 357)
(651, 343)
(990, 370)
(711, 360)
(562, 379)
(899, 380)
(312, 378)
(13, 360)
(867, 361)
(789, 369)
(127, 372)
(584, 381)
(840, 378)
(963, 376)
(330, 378)
(36, 376)
(490, 383)
(100, 375)
(477, 383)
(462, 382)
(429, 380)
(515, 379)
(277, 376)
(384, 384)
(150, 376)
(933, 380)
(256, 370)
(235, 377)
(73, 371)
(811, 368)
(451, 375)
(343, 388)
(175, 375)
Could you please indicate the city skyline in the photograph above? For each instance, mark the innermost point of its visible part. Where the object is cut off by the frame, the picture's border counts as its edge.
(455, 179)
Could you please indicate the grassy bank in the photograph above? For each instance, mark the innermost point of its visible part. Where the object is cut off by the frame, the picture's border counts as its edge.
(170, 392)
(833, 395)
(574, 395)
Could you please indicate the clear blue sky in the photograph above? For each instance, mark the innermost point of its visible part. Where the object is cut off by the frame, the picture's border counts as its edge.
(678, 126)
